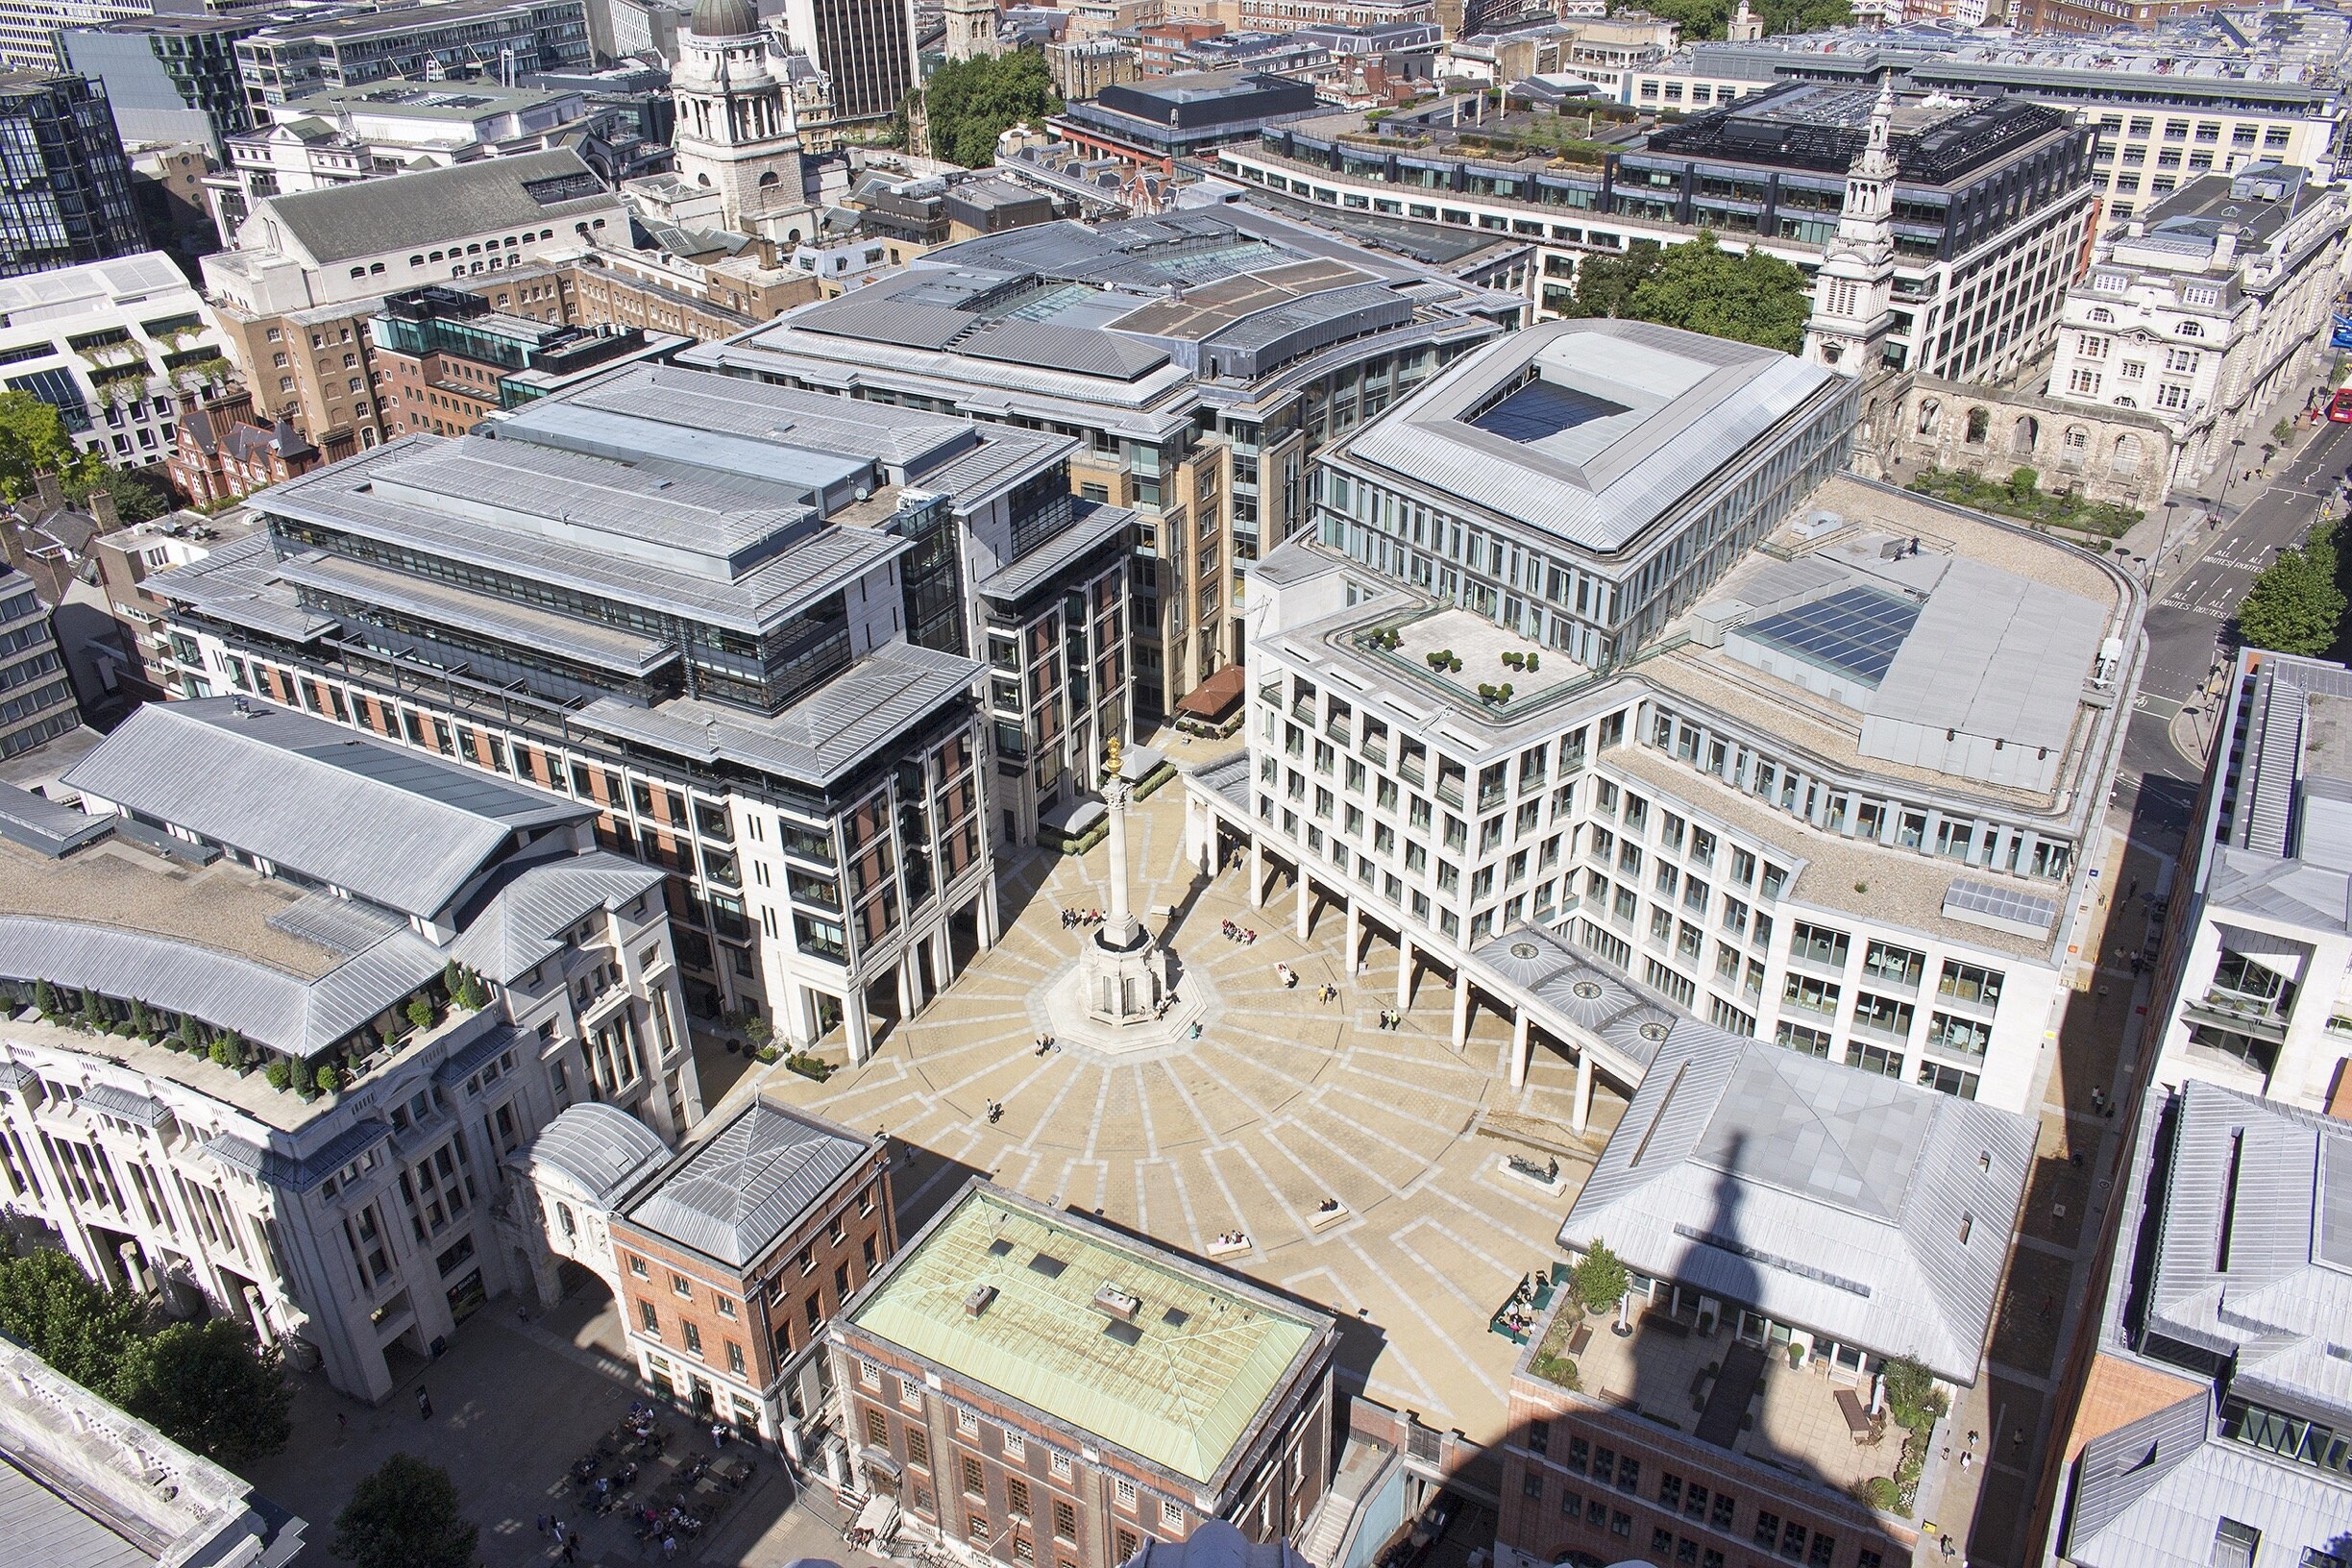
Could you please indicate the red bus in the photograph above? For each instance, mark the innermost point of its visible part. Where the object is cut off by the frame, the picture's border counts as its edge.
(2339, 407)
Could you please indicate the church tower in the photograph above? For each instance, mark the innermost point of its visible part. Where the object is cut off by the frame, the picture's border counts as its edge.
(736, 132)
(1855, 289)
(971, 29)
(1745, 26)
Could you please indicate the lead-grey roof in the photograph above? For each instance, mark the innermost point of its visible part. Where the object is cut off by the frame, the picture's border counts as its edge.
(1824, 1197)
(818, 739)
(520, 919)
(1092, 526)
(238, 584)
(603, 1149)
(50, 826)
(1993, 653)
(299, 1018)
(2280, 1179)
(1688, 405)
(40, 1525)
(735, 1194)
(299, 1172)
(369, 217)
(2153, 1492)
(387, 824)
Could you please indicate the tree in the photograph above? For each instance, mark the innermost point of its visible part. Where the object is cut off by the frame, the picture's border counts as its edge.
(1600, 1281)
(1804, 15)
(33, 440)
(404, 1515)
(1911, 1393)
(1710, 18)
(970, 102)
(1700, 287)
(2294, 605)
(68, 1319)
(1749, 297)
(137, 499)
(211, 1388)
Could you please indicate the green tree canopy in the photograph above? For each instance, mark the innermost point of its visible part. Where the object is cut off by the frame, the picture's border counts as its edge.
(1601, 1279)
(970, 102)
(1699, 286)
(68, 1319)
(1711, 19)
(2294, 605)
(210, 1388)
(404, 1515)
(33, 438)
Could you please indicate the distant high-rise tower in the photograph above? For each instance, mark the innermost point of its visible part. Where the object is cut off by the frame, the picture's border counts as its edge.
(866, 46)
(1855, 289)
(736, 133)
(66, 187)
(971, 29)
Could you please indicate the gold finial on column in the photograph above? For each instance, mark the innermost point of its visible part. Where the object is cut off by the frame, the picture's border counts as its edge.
(1111, 758)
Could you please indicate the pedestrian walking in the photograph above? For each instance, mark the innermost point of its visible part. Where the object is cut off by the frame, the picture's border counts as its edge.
(544, 1520)
(423, 1403)
(570, 1551)
(717, 1435)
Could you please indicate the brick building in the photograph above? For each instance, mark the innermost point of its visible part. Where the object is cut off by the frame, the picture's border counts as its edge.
(221, 452)
(727, 1260)
(1033, 1388)
(446, 359)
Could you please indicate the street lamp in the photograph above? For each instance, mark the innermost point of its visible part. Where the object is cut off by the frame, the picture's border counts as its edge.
(2236, 445)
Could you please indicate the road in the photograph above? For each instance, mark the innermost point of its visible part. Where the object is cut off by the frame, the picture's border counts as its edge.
(2185, 624)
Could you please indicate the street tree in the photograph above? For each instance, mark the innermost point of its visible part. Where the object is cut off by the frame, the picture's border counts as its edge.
(2294, 605)
(77, 1326)
(211, 1388)
(404, 1515)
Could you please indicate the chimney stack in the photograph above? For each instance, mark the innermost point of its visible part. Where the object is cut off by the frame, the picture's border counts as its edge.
(52, 494)
(102, 509)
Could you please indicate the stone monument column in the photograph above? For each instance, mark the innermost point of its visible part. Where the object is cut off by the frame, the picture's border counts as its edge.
(1119, 927)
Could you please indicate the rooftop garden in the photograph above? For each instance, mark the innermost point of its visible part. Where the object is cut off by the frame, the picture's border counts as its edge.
(457, 991)
(2022, 497)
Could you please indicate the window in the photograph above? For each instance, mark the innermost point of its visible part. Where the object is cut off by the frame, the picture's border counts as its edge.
(1017, 1496)
(877, 1430)
(1767, 1529)
(648, 1317)
(637, 1266)
(694, 1336)
(918, 1446)
(681, 1284)
(1172, 1513)
(975, 1480)
(1125, 1490)
(735, 1358)
(1065, 1520)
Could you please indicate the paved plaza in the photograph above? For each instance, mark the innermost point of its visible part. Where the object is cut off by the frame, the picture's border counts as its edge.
(1284, 1101)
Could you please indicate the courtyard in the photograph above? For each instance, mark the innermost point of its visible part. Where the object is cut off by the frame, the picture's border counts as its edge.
(1285, 1102)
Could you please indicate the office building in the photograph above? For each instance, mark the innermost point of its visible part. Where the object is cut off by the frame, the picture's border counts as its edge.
(2255, 952)
(126, 557)
(866, 47)
(88, 1482)
(339, 136)
(107, 345)
(1593, 648)
(743, 625)
(167, 79)
(1198, 357)
(1153, 121)
(2166, 103)
(67, 198)
(725, 1260)
(1031, 1386)
(1991, 203)
(1791, 1228)
(2207, 309)
(459, 39)
(311, 269)
(36, 698)
(414, 1016)
(446, 358)
(2215, 1423)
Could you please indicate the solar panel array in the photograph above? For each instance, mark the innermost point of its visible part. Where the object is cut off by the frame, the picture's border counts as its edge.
(2002, 903)
(1855, 632)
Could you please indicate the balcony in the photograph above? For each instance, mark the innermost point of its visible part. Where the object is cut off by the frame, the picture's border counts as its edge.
(2255, 1015)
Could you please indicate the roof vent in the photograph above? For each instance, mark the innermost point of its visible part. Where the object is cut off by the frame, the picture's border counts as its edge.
(978, 1301)
(1120, 1304)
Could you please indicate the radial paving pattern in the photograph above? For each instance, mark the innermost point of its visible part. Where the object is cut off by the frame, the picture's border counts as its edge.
(1285, 1101)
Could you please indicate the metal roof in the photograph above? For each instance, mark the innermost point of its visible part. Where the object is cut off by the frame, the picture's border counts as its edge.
(1092, 526)
(745, 1187)
(600, 1148)
(1994, 653)
(369, 217)
(390, 824)
(1826, 1198)
(39, 1525)
(1208, 1359)
(238, 584)
(48, 826)
(266, 1005)
(818, 739)
(1681, 406)
(2154, 1492)
(519, 919)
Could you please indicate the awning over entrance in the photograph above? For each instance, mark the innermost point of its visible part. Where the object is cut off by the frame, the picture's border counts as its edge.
(1214, 698)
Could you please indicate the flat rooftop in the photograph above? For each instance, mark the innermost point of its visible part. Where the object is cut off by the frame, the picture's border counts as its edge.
(1588, 432)
(1142, 1347)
